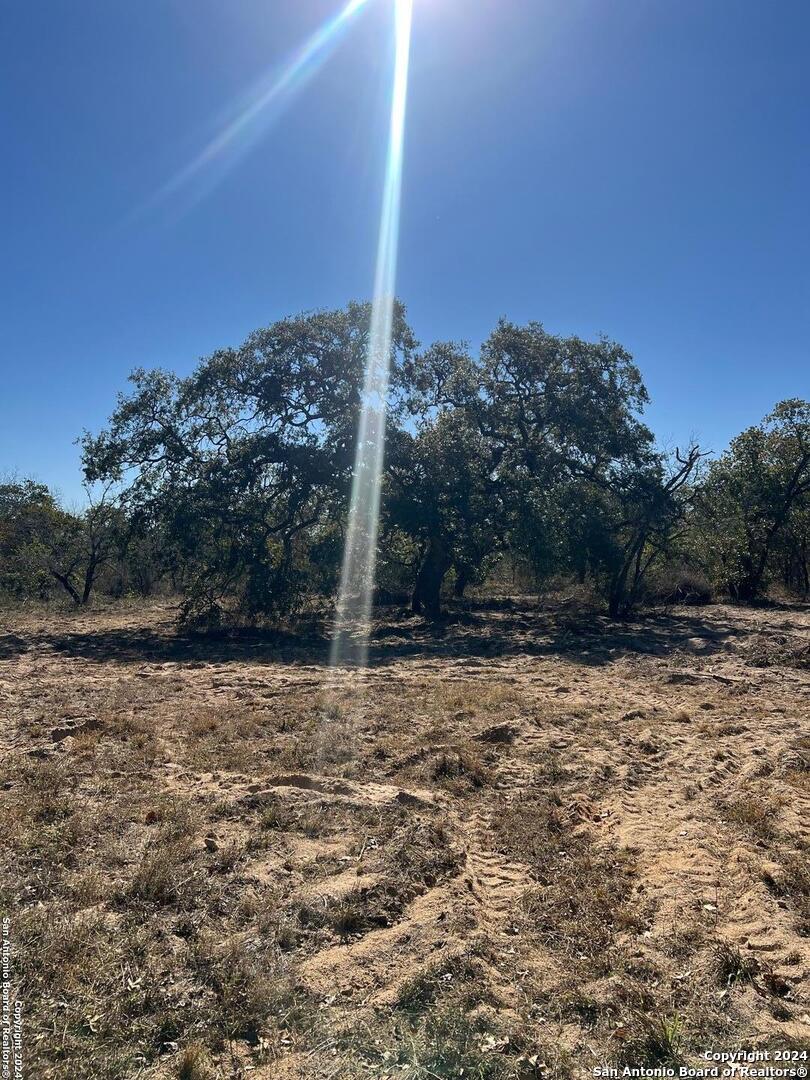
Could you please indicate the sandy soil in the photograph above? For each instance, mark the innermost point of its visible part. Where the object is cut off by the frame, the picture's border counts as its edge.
(527, 843)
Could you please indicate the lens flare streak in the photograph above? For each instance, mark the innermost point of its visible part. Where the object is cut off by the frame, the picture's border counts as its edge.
(353, 619)
(237, 137)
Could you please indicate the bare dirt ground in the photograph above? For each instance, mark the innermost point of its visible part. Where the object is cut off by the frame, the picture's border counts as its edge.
(530, 844)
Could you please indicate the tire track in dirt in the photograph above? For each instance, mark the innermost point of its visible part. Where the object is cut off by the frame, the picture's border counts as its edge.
(481, 901)
(644, 750)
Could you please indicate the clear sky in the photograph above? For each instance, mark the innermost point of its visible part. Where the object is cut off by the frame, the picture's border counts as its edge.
(638, 167)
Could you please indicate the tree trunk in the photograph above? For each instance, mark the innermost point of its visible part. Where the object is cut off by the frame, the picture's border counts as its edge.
(427, 591)
(89, 579)
(615, 601)
(67, 586)
(747, 588)
(462, 578)
(620, 598)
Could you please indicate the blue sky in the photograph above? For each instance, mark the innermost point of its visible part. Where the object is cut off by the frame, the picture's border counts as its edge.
(638, 167)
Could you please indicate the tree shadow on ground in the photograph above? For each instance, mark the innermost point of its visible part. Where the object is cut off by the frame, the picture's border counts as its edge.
(486, 632)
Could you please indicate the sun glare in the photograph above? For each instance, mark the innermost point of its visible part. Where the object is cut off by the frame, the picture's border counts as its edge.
(266, 102)
(208, 167)
(352, 626)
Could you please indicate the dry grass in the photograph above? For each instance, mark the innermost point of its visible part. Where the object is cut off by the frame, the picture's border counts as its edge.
(539, 853)
(793, 885)
(581, 897)
(756, 812)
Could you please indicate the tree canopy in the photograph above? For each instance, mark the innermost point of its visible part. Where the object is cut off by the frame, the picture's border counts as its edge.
(230, 486)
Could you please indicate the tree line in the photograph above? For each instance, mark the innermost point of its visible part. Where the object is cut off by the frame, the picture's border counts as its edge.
(230, 487)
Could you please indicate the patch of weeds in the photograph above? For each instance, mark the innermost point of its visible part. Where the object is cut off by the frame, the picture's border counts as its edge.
(311, 916)
(796, 885)
(733, 968)
(583, 896)
(89, 887)
(471, 698)
(779, 650)
(228, 856)
(109, 991)
(448, 1043)
(365, 909)
(244, 982)
(175, 817)
(687, 937)
(415, 855)
(226, 736)
(577, 1005)
(258, 842)
(313, 820)
(166, 874)
(193, 1064)
(552, 769)
(534, 831)
(459, 975)
(652, 1041)
(46, 832)
(276, 815)
(203, 725)
(287, 938)
(45, 790)
(459, 766)
(50, 944)
(257, 905)
(332, 710)
(348, 916)
(756, 814)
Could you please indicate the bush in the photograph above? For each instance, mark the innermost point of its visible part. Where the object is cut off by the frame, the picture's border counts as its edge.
(678, 585)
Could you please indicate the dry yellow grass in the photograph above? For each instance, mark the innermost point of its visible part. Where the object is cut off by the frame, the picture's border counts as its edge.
(514, 851)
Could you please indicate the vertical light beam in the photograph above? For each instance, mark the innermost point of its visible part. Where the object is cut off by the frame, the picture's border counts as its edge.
(353, 618)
